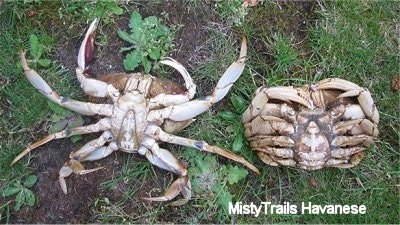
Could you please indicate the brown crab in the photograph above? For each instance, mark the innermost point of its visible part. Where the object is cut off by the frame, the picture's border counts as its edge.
(328, 124)
(143, 111)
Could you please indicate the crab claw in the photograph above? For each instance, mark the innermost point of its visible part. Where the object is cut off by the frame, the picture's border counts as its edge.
(231, 74)
(72, 166)
(91, 86)
(353, 90)
(86, 51)
(181, 185)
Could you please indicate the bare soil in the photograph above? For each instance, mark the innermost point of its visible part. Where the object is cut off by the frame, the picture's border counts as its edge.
(78, 206)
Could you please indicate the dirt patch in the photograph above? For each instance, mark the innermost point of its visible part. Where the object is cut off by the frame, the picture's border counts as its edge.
(78, 206)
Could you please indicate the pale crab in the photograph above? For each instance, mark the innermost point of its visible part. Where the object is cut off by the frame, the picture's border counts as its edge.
(142, 108)
(328, 124)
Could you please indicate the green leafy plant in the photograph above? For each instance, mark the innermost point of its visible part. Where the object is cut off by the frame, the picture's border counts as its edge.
(37, 51)
(24, 196)
(208, 178)
(64, 118)
(230, 118)
(150, 41)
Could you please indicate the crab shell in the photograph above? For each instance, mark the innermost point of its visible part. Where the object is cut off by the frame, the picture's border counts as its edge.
(328, 124)
(158, 86)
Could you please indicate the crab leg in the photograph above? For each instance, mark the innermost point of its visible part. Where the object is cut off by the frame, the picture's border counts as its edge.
(356, 127)
(352, 141)
(348, 163)
(174, 99)
(93, 150)
(193, 108)
(285, 153)
(285, 94)
(158, 134)
(261, 141)
(353, 90)
(102, 125)
(89, 85)
(189, 84)
(275, 161)
(340, 153)
(231, 74)
(85, 108)
(268, 125)
(165, 160)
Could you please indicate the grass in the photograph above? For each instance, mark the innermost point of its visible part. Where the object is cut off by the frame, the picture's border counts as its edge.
(296, 43)
(23, 107)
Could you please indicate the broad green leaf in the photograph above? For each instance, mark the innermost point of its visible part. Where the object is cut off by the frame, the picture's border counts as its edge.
(238, 103)
(116, 9)
(75, 120)
(19, 200)
(162, 31)
(30, 181)
(10, 190)
(146, 64)
(233, 173)
(35, 46)
(206, 164)
(44, 62)
(58, 126)
(59, 112)
(135, 22)
(228, 115)
(155, 54)
(126, 37)
(151, 21)
(29, 197)
(238, 142)
(132, 60)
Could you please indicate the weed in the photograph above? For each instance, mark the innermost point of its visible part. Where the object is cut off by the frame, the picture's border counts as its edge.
(37, 51)
(24, 196)
(150, 41)
(63, 118)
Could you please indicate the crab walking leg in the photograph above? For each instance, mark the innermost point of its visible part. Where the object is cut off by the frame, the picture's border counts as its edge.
(102, 125)
(89, 85)
(268, 125)
(93, 150)
(165, 160)
(158, 134)
(84, 108)
(276, 161)
(346, 163)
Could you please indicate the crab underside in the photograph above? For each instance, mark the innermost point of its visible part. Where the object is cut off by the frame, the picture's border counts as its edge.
(328, 124)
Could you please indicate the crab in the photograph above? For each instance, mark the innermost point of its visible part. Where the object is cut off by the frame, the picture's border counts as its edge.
(143, 111)
(327, 124)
